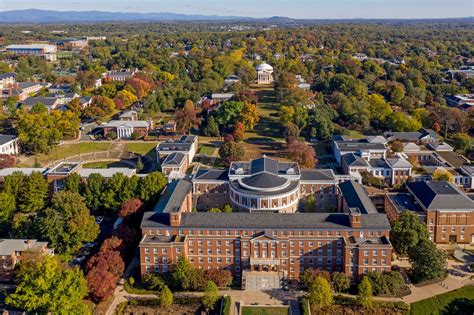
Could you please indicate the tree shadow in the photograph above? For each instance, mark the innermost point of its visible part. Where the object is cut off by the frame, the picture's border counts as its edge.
(460, 306)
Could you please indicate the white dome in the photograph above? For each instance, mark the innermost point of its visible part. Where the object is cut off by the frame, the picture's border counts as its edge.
(264, 66)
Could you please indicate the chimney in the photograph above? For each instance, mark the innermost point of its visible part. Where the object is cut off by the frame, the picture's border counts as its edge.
(175, 218)
(354, 217)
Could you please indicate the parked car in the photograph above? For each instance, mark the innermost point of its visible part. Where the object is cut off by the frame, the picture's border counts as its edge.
(99, 219)
(90, 245)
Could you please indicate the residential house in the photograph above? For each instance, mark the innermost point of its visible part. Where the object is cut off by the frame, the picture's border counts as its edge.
(462, 101)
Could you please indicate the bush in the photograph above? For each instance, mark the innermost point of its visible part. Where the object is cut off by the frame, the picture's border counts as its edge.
(386, 283)
(227, 303)
(304, 306)
(111, 135)
(135, 135)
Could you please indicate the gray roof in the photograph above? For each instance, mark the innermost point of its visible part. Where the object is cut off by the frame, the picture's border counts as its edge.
(410, 136)
(212, 174)
(354, 160)
(404, 202)
(9, 246)
(26, 171)
(265, 164)
(7, 75)
(264, 180)
(6, 138)
(261, 191)
(356, 197)
(183, 144)
(265, 220)
(46, 101)
(398, 163)
(378, 163)
(382, 240)
(132, 123)
(173, 196)
(173, 159)
(324, 175)
(356, 145)
(440, 195)
(106, 172)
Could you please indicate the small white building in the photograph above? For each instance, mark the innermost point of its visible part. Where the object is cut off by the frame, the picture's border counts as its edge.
(264, 74)
(9, 144)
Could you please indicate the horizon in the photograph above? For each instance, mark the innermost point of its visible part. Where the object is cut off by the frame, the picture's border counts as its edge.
(298, 9)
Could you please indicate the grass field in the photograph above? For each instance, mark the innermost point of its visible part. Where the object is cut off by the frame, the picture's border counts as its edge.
(67, 150)
(106, 164)
(262, 310)
(142, 148)
(459, 301)
(207, 149)
(269, 126)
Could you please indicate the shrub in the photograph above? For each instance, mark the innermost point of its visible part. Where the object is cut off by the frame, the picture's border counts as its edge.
(227, 305)
(111, 135)
(386, 283)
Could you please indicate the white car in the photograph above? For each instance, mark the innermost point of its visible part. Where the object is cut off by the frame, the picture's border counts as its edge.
(99, 219)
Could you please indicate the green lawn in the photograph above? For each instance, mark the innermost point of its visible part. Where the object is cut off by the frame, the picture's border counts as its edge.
(106, 164)
(143, 148)
(207, 149)
(459, 301)
(262, 310)
(269, 125)
(67, 150)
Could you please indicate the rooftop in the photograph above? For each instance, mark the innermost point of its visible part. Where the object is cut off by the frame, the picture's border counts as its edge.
(278, 221)
(173, 196)
(133, 124)
(9, 246)
(26, 171)
(107, 172)
(173, 159)
(404, 202)
(324, 175)
(359, 144)
(355, 196)
(383, 240)
(440, 196)
(6, 138)
(211, 174)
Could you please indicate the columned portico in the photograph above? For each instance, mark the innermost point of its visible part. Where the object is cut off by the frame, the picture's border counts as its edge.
(124, 132)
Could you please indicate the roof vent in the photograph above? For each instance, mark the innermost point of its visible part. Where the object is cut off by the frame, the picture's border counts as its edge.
(290, 171)
(239, 171)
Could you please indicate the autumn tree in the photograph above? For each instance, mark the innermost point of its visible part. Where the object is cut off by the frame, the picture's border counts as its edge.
(231, 151)
(130, 207)
(166, 297)
(340, 282)
(249, 116)
(151, 186)
(441, 174)
(101, 283)
(302, 153)
(35, 193)
(7, 160)
(239, 131)
(109, 260)
(187, 118)
(221, 277)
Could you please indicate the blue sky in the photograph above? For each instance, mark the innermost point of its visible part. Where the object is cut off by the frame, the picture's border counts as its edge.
(266, 8)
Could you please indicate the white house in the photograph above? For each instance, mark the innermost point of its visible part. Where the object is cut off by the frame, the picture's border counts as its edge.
(264, 74)
(9, 144)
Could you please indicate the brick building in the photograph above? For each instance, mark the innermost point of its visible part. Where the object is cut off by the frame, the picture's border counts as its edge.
(14, 250)
(266, 241)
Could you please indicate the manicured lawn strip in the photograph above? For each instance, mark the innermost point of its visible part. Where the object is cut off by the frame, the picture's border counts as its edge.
(439, 303)
(67, 150)
(262, 310)
(143, 148)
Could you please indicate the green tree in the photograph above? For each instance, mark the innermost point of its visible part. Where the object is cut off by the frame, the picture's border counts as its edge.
(212, 128)
(340, 282)
(364, 296)
(441, 174)
(211, 295)
(45, 285)
(166, 297)
(67, 224)
(407, 232)
(227, 208)
(400, 121)
(72, 183)
(427, 261)
(320, 294)
(310, 203)
(229, 112)
(463, 142)
(94, 191)
(184, 275)
(15, 185)
(151, 186)
(35, 193)
(215, 210)
(7, 209)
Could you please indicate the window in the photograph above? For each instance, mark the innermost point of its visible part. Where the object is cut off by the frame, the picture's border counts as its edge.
(209, 259)
(292, 244)
(148, 268)
(384, 252)
(374, 252)
(155, 250)
(157, 269)
(384, 261)
(147, 250)
(366, 252)
(301, 244)
(366, 261)
(374, 261)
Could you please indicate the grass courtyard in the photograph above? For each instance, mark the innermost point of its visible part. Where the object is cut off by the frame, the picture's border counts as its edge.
(460, 301)
(263, 310)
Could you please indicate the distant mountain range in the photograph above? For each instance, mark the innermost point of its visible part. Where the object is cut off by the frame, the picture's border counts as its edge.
(33, 16)
(49, 16)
